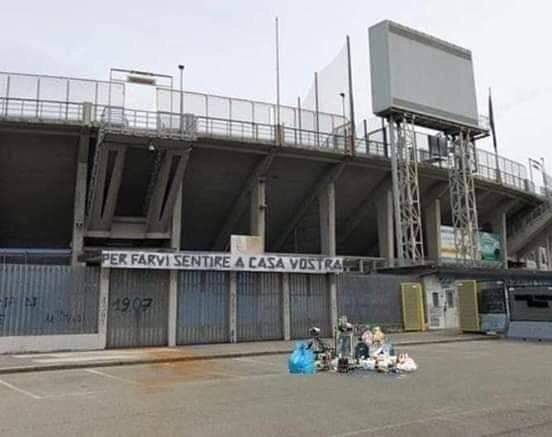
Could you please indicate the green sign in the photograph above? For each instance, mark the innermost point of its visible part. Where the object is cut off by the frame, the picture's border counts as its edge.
(489, 245)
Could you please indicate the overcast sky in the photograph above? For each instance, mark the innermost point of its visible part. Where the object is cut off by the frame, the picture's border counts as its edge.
(228, 47)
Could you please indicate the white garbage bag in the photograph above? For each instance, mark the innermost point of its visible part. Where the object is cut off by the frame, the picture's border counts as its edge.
(368, 364)
(405, 363)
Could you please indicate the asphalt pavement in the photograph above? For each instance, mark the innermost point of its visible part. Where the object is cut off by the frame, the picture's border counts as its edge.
(32, 362)
(466, 388)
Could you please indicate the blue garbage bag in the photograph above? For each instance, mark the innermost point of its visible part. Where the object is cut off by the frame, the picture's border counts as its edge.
(301, 360)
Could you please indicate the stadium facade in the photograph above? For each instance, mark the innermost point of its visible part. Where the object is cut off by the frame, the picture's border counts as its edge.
(116, 221)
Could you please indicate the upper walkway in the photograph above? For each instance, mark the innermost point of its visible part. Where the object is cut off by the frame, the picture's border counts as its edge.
(103, 104)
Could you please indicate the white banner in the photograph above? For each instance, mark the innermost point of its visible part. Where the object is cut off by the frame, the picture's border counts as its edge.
(222, 261)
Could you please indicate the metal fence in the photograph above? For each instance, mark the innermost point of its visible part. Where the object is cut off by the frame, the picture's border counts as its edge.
(248, 111)
(371, 299)
(202, 315)
(489, 166)
(35, 256)
(259, 314)
(138, 308)
(309, 304)
(61, 89)
(530, 304)
(48, 300)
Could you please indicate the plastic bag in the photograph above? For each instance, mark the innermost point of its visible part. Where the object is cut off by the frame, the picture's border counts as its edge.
(367, 337)
(407, 366)
(301, 360)
(368, 364)
(405, 363)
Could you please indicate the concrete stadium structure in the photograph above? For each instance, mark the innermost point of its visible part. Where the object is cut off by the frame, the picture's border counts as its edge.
(220, 175)
(82, 172)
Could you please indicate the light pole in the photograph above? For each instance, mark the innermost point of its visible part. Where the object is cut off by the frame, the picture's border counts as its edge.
(344, 120)
(181, 68)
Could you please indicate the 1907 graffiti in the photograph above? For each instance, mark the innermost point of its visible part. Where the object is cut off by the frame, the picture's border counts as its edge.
(137, 304)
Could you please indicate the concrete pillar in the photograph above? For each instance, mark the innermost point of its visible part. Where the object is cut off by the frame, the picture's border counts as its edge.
(432, 222)
(176, 227)
(386, 237)
(327, 241)
(79, 204)
(103, 305)
(538, 258)
(332, 285)
(327, 219)
(257, 223)
(173, 306)
(548, 252)
(286, 307)
(499, 227)
(233, 308)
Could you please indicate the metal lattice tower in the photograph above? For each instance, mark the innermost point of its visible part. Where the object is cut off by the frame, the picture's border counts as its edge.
(462, 165)
(406, 191)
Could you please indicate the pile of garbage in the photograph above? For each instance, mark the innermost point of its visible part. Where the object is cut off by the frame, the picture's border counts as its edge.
(374, 352)
(371, 352)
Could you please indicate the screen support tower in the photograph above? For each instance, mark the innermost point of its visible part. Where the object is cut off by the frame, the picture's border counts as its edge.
(462, 166)
(406, 190)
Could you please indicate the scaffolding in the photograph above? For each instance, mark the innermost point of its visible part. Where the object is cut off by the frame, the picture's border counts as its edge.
(406, 190)
(462, 167)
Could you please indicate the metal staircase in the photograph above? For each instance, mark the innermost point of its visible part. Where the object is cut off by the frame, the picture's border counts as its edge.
(528, 232)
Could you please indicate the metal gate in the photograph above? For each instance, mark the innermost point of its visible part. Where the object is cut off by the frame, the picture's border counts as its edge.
(370, 299)
(138, 308)
(259, 306)
(310, 304)
(412, 306)
(48, 300)
(468, 306)
(202, 307)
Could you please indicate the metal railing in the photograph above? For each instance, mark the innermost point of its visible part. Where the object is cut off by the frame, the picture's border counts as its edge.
(165, 124)
(35, 256)
(15, 109)
(148, 123)
(373, 264)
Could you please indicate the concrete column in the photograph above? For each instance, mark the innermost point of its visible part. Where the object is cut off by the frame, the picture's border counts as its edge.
(386, 237)
(538, 258)
(327, 219)
(327, 242)
(233, 308)
(499, 227)
(176, 227)
(173, 306)
(549, 252)
(286, 307)
(79, 205)
(332, 285)
(432, 222)
(257, 223)
(103, 306)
